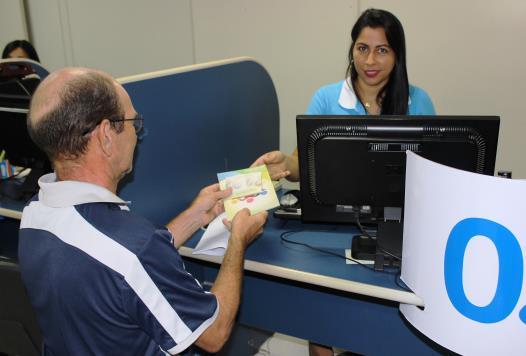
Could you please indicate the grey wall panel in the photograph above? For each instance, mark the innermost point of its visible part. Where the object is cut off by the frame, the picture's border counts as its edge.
(12, 22)
(468, 55)
(302, 43)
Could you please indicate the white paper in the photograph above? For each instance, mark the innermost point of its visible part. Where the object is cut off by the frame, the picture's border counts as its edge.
(215, 239)
(353, 261)
(437, 199)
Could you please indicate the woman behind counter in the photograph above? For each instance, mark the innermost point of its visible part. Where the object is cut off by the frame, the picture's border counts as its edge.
(376, 84)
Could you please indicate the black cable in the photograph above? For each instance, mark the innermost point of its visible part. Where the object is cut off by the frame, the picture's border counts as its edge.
(366, 234)
(397, 273)
(285, 234)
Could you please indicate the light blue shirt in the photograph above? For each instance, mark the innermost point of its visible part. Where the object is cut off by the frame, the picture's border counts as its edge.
(339, 99)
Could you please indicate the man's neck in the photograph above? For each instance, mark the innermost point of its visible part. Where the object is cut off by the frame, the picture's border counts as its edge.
(81, 172)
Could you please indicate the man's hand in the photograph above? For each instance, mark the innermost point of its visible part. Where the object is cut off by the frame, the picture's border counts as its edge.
(244, 227)
(277, 164)
(209, 203)
(206, 206)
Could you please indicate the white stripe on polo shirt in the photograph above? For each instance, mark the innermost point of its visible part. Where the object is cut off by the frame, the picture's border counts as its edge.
(70, 227)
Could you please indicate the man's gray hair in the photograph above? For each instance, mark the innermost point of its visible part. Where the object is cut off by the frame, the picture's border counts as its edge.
(83, 102)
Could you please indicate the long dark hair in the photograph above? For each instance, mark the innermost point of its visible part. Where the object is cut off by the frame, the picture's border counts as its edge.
(395, 94)
(25, 45)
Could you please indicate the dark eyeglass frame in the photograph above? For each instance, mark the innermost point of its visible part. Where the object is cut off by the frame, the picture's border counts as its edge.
(138, 125)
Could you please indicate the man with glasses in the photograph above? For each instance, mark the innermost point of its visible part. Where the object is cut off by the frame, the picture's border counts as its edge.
(101, 279)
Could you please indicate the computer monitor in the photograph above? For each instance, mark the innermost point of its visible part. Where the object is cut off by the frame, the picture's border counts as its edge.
(15, 95)
(18, 81)
(353, 167)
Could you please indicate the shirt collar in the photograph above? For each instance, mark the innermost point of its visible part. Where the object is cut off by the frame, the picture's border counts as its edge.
(348, 99)
(60, 194)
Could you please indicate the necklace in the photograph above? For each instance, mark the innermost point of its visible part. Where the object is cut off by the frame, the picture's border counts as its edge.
(367, 105)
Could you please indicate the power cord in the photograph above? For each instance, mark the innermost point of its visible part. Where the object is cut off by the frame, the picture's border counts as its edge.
(286, 234)
(366, 234)
(396, 273)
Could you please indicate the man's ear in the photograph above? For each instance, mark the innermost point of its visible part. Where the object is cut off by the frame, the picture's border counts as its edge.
(105, 137)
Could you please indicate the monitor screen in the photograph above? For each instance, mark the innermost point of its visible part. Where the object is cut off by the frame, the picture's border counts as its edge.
(350, 162)
(18, 81)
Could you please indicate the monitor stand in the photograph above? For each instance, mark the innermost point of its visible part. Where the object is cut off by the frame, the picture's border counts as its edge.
(388, 242)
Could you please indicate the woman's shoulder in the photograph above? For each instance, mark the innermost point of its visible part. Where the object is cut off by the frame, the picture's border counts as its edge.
(325, 99)
(332, 88)
(420, 102)
(417, 92)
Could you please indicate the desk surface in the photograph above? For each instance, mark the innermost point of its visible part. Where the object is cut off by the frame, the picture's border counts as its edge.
(11, 208)
(269, 255)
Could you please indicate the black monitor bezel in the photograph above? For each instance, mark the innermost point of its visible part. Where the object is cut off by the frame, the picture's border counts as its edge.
(313, 211)
(15, 140)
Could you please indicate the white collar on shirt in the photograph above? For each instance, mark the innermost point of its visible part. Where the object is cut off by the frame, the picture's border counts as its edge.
(60, 194)
(348, 99)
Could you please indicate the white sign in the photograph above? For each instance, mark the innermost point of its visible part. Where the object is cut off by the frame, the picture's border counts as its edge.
(464, 255)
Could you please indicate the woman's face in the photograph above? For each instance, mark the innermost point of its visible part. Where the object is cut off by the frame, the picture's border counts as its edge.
(374, 59)
(18, 53)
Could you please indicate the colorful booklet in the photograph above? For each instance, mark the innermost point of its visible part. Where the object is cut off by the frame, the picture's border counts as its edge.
(252, 188)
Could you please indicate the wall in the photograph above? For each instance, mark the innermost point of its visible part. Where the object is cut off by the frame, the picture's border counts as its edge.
(302, 44)
(12, 22)
(469, 55)
(122, 37)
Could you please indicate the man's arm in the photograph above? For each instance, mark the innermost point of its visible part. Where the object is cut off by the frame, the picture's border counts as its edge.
(207, 205)
(227, 286)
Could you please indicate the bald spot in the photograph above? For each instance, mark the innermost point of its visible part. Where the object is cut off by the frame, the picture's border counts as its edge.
(48, 93)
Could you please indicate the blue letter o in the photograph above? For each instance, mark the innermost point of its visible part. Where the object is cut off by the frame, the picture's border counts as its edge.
(510, 269)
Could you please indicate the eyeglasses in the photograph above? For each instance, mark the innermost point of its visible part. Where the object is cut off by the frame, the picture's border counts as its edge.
(138, 124)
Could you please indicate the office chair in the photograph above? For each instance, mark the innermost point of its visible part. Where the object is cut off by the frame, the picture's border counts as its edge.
(19, 331)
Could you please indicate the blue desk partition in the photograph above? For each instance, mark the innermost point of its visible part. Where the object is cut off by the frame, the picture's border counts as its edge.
(201, 120)
(207, 119)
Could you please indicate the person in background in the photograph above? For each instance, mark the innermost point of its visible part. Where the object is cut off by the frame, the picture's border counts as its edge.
(375, 83)
(103, 280)
(20, 49)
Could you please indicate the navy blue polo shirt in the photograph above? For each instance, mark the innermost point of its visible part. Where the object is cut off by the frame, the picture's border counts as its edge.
(103, 280)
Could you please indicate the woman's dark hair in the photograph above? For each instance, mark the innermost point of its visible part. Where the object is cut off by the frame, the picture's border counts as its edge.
(394, 95)
(25, 45)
